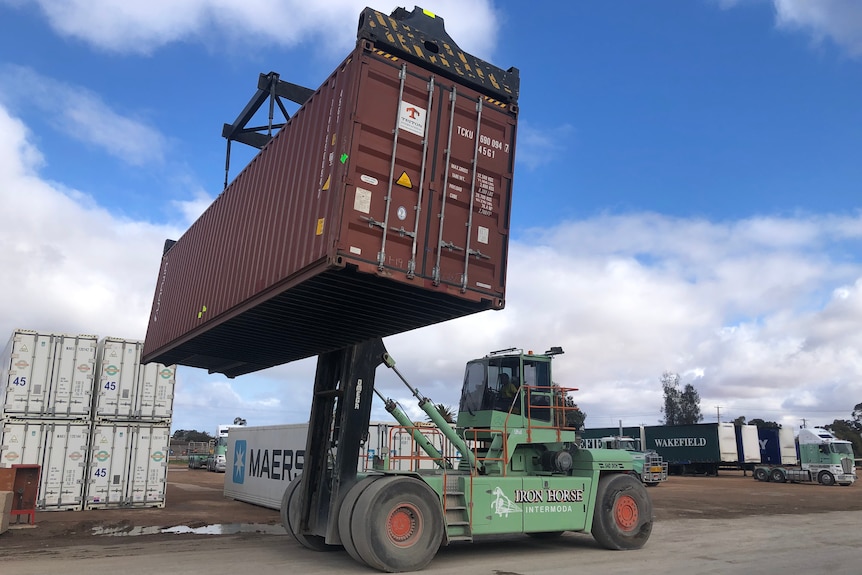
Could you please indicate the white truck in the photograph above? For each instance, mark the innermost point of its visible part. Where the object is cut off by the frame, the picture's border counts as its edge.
(823, 458)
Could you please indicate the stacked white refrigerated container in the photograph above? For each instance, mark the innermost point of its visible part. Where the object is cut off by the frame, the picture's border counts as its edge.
(130, 441)
(95, 420)
(46, 402)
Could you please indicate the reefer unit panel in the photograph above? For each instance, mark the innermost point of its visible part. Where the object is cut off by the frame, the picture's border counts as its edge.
(381, 206)
(128, 390)
(60, 448)
(47, 375)
(128, 465)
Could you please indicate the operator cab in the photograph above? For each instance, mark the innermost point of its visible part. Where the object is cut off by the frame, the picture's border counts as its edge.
(506, 387)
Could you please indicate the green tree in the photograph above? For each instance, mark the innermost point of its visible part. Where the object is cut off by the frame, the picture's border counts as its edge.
(739, 420)
(845, 429)
(670, 388)
(689, 405)
(445, 411)
(763, 423)
(681, 407)
(191, 435)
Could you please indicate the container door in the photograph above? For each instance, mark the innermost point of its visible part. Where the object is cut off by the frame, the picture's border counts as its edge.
(108, 472)
(72, 381)
(390, 166)
(28, 380)
(148, 466)
(473, 203)
(155, 398)
(117, 387)
(63, 466)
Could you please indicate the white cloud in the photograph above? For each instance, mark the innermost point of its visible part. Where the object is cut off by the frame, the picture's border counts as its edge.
(840, 20)
(83, 116)
(755, 313)
(142, 27)
(68, 264)
(540, 146)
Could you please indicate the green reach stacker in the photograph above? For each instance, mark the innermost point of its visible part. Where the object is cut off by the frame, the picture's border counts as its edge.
(520, 469)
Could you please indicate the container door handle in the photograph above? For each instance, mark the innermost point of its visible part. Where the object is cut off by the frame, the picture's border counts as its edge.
(468, 252)
(442, 217)
(381, 255)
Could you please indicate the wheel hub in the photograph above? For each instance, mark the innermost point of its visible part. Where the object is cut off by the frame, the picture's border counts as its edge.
(626, 513)
(404, 525)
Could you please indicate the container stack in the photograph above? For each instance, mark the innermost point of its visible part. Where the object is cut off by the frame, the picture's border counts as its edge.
(132, 405)
(91, 415)
(46, 401)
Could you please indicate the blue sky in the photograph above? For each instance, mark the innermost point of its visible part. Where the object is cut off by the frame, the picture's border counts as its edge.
(686, 192)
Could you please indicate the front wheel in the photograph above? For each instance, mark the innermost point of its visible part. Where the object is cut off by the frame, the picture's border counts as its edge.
(397, 524)
(290, 513)
(622, 518)
(826, 478)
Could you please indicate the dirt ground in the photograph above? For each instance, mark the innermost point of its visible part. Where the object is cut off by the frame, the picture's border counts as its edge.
(195, 499)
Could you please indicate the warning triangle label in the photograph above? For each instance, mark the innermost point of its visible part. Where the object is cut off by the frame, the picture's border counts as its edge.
(404, 180)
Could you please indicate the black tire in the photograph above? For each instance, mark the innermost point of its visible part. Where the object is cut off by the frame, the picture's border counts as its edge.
(546, 534)
(345, 515)
(622, 518)
(826, 478)
(778, 476)
(760, 474)
(397, 524)
(290, 519)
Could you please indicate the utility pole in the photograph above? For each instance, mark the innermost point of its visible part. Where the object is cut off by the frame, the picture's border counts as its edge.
(718, 413)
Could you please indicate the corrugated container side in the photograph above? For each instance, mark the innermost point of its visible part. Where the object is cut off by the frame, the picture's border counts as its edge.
(60, 448)
(128, 465)
(128, 390)
(47, 375)
(340, 231)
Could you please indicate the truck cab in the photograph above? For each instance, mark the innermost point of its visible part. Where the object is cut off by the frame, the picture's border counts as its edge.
(510, 388)
(828, 459)
(649, 466)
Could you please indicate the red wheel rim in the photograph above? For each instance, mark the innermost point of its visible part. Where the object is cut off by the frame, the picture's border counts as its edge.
(626, 512)
(404, 525)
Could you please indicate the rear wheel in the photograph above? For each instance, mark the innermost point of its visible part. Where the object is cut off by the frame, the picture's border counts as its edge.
(826, 478)
(397, 524)
(290, 513)
(623, 515)
(761, 474)
(778, 476)
(345, 515)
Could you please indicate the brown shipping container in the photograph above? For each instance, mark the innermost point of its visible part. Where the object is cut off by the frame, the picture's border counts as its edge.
(380, 207)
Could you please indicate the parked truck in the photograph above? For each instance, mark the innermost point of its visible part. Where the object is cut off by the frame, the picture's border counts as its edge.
(198, 453)
(649, 466)
(823, 458)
